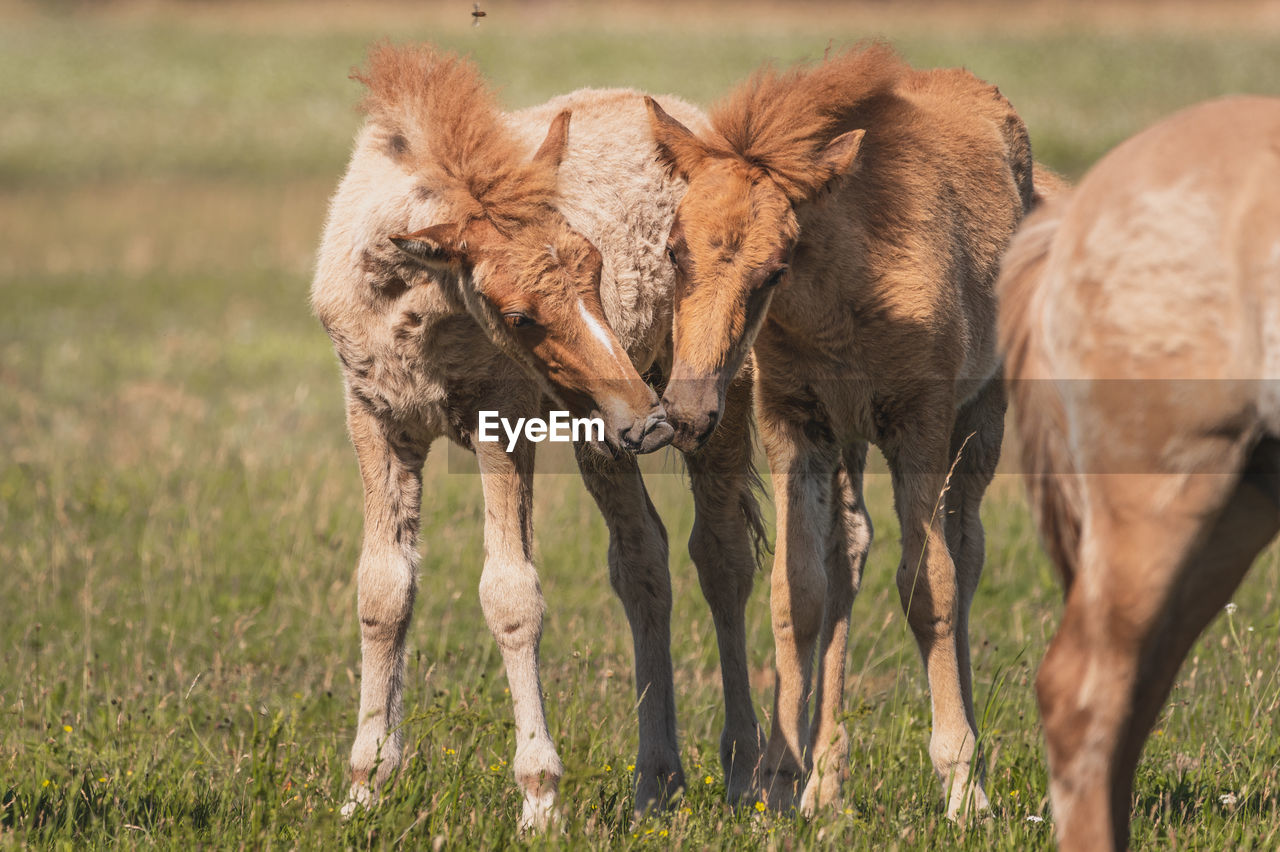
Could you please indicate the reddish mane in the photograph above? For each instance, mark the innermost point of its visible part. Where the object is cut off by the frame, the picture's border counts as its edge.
(442, 122)
(780, 121)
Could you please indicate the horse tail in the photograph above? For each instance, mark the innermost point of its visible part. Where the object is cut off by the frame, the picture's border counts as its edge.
(1039, 415)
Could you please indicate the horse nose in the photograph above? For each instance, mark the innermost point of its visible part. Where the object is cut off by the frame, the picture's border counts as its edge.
(652, 434)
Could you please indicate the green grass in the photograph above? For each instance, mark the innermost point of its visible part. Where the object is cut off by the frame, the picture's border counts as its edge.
(180, 510)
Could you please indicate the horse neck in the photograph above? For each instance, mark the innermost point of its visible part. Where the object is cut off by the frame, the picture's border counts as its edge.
(614, 192)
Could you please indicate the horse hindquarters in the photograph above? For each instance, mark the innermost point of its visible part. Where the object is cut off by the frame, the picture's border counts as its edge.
(1146, 587)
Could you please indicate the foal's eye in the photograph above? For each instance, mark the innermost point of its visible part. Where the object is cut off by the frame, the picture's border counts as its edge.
(516, 319)
(774, 277)
(671, 256)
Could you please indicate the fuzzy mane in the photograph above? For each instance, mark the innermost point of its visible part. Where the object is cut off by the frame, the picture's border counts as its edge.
(440, 120)
(1038, 413)
(781, 121)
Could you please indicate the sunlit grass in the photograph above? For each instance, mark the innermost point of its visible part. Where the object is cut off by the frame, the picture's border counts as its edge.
(180, 510)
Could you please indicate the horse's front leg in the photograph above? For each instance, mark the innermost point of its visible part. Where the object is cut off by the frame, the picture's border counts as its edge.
(932, 599)
(511, 598)
(848, 542)
(726, 543)
(802, 471)
(391, 467)
(639, 574)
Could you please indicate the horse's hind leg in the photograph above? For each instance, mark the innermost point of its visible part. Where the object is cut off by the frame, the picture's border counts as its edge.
(848, 542)
(391, 467)
(511, 598)
(639, 574)
(1145, 590)
(726, 525)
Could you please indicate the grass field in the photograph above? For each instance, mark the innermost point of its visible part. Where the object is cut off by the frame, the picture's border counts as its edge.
(180, 509)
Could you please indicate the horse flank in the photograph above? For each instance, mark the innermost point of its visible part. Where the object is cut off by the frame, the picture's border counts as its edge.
(470, 157)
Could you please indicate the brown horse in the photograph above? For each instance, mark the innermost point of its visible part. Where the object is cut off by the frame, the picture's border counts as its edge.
(848, 219)
(462, 270)
(1141, 317)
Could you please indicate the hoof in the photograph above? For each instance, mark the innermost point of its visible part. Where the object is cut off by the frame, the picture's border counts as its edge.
(967, 801)
(741, 763)
(539, 812)
(821, 792)
(781, 789)
(657, 790)
(359, 797)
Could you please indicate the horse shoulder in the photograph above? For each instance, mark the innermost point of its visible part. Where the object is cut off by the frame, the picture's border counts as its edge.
(394, 327)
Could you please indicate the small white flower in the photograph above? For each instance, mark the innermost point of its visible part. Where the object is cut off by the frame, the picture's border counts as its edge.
(1227, 799)
(1231, 608)
(1034, 818)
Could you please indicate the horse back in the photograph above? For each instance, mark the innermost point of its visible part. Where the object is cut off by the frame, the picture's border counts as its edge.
(943, 178)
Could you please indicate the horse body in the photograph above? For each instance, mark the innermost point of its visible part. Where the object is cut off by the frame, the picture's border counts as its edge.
(1141, 315)
(451, 281)
(860, 252)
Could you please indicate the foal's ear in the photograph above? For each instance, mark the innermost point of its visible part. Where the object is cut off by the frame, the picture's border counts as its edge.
(837, 159)
(437, 247)
(551, 152)
(678, 147)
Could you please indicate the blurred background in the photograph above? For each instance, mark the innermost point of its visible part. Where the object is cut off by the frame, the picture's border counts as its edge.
(180, 508)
